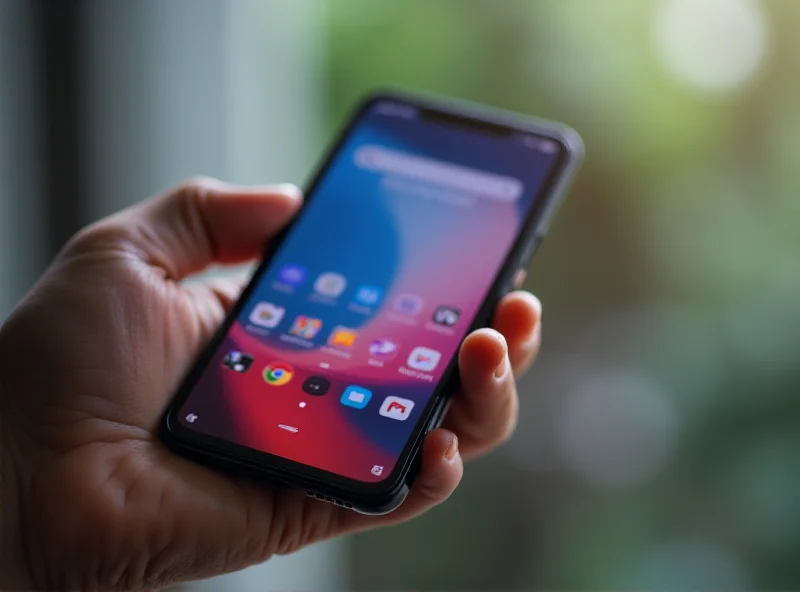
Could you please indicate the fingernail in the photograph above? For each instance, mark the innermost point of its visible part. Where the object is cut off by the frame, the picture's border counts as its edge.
(452, 451)
(289, 189)
(503, 367)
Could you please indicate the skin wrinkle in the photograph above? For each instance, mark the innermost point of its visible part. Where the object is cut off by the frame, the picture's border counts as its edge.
(153, 256)
(293, 506)
(314, 527)
(197, 196)
(167, 557)
(197, 233)
(157, 550)
(134, 480)
(12, 465)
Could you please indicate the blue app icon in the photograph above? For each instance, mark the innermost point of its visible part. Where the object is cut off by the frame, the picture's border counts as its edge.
(368, 295)
(291, 274)
(356, 396)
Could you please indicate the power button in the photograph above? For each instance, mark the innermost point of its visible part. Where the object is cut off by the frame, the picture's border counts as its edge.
(530, 249)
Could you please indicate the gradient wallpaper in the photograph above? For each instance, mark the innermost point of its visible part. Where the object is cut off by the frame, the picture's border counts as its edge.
(392, 249)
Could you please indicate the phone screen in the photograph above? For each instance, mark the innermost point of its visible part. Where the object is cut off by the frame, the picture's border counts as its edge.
(341, 343)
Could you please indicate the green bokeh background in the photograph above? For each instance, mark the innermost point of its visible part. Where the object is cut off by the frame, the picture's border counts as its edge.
(670, 282)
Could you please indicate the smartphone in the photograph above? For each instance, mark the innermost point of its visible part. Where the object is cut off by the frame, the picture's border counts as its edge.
(342, 351)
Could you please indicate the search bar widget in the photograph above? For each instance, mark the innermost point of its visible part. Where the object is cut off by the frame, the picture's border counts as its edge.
(428, 170)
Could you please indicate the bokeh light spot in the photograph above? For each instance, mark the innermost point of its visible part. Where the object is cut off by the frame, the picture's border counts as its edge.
(712, 44)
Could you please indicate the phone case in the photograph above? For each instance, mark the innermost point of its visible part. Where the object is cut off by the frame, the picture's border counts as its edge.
(391, 493)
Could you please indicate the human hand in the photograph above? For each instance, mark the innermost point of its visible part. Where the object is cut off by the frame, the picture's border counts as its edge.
(90, 496)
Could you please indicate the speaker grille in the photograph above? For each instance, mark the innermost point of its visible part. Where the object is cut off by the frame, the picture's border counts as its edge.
(329, 499)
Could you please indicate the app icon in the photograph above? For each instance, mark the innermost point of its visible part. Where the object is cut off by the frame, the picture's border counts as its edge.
(191, 418)
(383, 349)
(291, 274)
(342, 337)
(356, 396)
(408, 304)
(396, 408)
(377, 470)
(266, 314)
(305, 327)
(316, 385)
(330, 284)
(423, 359)
(446, 315)
(368, 295)
(237, 361)
(278, 374)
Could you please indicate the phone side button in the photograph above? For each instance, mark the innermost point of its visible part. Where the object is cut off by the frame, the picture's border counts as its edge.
(438, 417)
(530, 249)
(517, 275)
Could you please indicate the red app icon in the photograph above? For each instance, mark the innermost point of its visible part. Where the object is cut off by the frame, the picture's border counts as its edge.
(396, 408)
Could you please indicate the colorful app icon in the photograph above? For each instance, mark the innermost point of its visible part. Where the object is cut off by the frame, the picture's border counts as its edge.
(446, 316)
(278, 374)
(423, 359)
(383, 349)
(356, 396)
(396, 408)
(305, 327)
(368, 295)
(266, 314)
(377, 470)
(342, 337)
(237, 361)
(408, 304)
(330, 284)
(316, 385)
(292, 274)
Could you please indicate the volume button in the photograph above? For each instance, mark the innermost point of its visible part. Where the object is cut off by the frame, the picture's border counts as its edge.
(530, 249)
(438, 417)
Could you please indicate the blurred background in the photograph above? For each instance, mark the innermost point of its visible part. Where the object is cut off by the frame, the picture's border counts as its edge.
(659, 444)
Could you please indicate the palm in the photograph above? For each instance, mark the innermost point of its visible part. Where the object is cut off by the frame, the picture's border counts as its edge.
(100, 441)
(98, 349)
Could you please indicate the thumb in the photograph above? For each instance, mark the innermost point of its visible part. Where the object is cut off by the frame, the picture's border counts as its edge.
(206, 221)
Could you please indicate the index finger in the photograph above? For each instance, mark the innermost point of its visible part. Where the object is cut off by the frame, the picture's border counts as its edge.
(519, 319)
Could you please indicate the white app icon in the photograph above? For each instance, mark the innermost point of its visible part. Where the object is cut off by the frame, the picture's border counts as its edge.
(423, 359)
(396, 408)
(266, 314)
(330, 284)
(377, 470)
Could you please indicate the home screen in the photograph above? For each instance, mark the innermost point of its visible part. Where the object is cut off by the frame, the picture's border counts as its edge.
(340, 346)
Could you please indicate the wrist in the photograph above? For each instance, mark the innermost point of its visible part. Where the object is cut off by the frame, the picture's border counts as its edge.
(14, 567)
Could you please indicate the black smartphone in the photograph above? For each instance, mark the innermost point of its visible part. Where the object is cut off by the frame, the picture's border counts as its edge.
(342, 351)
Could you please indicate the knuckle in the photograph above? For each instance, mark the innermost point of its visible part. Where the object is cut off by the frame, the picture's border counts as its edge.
(106, 234)
(194, 188)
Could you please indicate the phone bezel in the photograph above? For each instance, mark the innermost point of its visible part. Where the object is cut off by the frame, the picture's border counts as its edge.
(296, 474)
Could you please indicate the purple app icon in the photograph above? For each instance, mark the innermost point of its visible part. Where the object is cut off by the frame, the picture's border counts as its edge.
(383, 349)
(408, 304)
(291, 274)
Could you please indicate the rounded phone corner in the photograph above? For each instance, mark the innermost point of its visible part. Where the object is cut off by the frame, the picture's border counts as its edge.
(572, 142)
(168, 424)
(375, 96)
(173, 434)
(384, 506)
